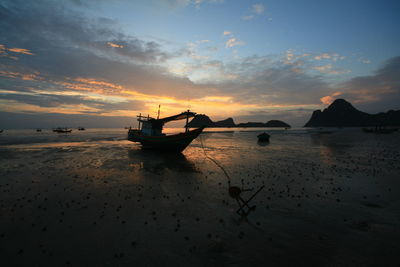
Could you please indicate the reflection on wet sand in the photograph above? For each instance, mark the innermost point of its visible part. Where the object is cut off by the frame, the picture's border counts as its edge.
(116, 204)
(331, 145)
(262, 143)
(156, 162)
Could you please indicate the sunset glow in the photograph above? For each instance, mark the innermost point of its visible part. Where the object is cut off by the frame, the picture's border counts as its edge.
(253, 63)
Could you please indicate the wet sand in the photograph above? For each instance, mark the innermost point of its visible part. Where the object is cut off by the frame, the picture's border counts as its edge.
(329, 200)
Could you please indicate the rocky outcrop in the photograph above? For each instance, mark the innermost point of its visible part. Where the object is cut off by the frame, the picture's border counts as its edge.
(271, 123)
(225, 123)
(342, 114)
(204, 120)
(276, 123)
(199, 121)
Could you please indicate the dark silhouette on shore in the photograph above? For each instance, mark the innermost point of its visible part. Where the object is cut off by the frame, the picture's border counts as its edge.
(204, 120)
(342, 114)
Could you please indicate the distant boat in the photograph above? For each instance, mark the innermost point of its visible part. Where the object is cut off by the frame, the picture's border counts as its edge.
(264, 137)
(81, 129)
(149, 133)
(62, 130)
(38, 130)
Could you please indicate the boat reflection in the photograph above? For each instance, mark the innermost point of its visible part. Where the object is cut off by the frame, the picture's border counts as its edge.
(262, 143)
(155, 162)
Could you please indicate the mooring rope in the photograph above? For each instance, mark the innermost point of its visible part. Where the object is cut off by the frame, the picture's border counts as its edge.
(215, 161)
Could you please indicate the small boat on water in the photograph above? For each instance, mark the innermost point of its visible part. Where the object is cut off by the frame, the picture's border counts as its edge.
(62, 130)
(149, 133)
(264, 137)
(38, 130)
(81, 129)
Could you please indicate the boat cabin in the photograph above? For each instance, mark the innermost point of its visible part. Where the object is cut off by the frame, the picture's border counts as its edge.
(153, 127)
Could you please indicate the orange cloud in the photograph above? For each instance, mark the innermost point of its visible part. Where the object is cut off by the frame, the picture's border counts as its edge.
(91, 85)
(19, 107)
(21, 51)
(114, 45)
(4, 49)
(35, 76)
(327, 100)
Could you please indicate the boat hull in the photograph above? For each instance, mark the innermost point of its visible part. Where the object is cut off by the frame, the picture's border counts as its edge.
(168, 143)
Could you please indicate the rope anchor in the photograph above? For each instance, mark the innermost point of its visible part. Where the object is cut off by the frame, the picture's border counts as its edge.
(235, 191)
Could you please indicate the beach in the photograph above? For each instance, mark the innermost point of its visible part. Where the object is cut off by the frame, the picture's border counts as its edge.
(95, 199)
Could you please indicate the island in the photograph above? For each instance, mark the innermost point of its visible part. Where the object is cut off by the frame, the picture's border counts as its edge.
(342, 114)
(203, 120)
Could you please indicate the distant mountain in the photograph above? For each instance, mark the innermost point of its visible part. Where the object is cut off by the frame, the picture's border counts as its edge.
(225, 123)
(272, 123)
(251, 124)
(199, 121)
(204, 120)
(276, 123)
(342, 114)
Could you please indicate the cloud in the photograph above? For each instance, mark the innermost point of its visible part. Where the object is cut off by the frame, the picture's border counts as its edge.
(255, 10)
(327, 100)
(327, 56)
(203, 41)
(114, 45)
(378, 91)
(232, 42)
(86, 65)
(183, 3)
(14, 50)
(23, 76)
(258, 8)
(21, 51)
(34, 26)
(328, 69)
(248, 17)
(191, 51)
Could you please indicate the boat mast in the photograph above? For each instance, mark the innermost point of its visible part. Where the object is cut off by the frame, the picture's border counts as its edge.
(140, 117)
(158, 115)
(187, 121)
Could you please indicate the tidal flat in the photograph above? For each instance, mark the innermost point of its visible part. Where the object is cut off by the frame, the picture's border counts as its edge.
(329, 200)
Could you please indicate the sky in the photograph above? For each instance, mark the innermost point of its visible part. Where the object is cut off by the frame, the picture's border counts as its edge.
(99, 63)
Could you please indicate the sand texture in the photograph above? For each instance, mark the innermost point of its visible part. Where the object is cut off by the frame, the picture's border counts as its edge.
(329, 200)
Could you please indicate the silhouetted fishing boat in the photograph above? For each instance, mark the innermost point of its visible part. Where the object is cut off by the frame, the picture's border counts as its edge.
(264, 137)
(149, 133)
(62, 130)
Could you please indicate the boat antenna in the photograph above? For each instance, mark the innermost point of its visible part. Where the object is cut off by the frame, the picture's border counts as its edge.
(158, 115)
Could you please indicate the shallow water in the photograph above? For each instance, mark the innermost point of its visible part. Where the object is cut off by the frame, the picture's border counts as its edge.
(94, 198)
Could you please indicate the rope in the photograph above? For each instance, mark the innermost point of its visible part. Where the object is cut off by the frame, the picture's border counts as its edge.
(215, 161)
